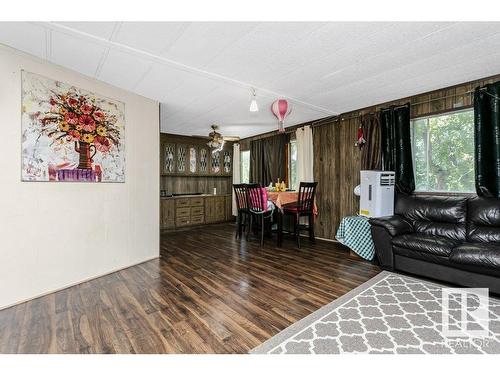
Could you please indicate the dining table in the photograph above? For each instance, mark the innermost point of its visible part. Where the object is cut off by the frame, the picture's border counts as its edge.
(280, 199)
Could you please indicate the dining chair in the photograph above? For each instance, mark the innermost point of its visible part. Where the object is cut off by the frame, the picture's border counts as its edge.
(258, 208)
(243, 218)
(304, 207)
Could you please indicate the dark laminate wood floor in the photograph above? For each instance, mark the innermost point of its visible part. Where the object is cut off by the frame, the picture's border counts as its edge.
(208, 293)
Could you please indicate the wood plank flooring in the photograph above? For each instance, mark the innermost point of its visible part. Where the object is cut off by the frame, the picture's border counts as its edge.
(207, 293)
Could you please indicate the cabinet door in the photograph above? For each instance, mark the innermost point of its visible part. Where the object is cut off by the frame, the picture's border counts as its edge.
(167, 213)
(169, 156)
(209, 209)
(227, 162)
(220, 208)
(204, 157)
(181, 158)
(229, 207)
(215, 163)
(192, 160)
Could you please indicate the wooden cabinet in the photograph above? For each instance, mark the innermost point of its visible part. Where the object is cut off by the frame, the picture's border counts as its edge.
(181, 159)
(215, 163)
(227, 162)
(169, 154)
(167, 208)
(193, 167)
(185, 211)
(189, 156)
(210, 210)
(215, 209)
(203, 160)
(229, 207)
(220, 208)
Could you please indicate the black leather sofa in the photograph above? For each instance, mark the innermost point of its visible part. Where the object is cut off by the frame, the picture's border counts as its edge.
(453, 239)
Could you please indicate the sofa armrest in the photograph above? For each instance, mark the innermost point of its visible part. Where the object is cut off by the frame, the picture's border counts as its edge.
(383, 230)
(395, 225)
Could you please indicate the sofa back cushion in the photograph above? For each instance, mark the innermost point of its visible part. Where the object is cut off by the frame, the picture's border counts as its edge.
(483, 220)
(434, 215)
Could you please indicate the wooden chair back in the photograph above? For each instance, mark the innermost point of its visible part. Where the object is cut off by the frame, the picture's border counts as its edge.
(307, 192)
(255, 201)
(240, 192)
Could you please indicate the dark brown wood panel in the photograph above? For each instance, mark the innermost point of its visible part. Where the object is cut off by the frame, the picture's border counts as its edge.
(208, 293)
(336, 168)
(193, 184)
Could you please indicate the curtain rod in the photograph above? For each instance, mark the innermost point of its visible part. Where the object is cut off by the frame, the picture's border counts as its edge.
(395, 107)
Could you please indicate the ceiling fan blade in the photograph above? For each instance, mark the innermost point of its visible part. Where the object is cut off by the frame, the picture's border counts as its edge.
(231, 138)
(201, 136)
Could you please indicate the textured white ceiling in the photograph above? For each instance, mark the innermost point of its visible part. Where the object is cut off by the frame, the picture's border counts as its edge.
(203, 72)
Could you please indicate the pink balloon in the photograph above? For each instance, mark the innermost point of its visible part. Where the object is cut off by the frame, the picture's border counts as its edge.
(281, 109)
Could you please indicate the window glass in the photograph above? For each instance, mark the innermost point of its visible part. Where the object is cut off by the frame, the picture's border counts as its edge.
(245, 167)
(292, 165)
(443, 152)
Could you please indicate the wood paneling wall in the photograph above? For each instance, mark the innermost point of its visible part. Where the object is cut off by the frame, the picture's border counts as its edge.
(192, 184)
(336, 168)
(337, 161)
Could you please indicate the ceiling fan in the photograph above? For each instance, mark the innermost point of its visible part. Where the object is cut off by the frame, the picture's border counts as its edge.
(216, 140)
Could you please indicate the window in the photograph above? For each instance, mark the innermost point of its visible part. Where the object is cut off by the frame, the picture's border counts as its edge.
(245, 167)
(292, 165)
(443, 152)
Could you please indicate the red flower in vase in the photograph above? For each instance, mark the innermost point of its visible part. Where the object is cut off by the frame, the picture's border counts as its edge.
(75, 134)
(87, 123)
(72, 102)
(71, 118)
(102, 144)
(86, 109)
(99, 116)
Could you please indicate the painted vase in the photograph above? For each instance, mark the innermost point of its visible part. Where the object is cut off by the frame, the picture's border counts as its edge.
(87, 152)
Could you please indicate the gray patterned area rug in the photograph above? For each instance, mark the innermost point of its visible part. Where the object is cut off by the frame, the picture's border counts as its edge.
(390, 313)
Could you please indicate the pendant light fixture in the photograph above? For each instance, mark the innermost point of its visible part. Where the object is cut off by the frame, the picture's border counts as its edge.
(253, 104)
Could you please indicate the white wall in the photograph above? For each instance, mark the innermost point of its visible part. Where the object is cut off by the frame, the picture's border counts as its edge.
(53, 235)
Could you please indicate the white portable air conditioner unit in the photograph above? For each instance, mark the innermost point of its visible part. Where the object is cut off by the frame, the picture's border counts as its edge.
(377, 193)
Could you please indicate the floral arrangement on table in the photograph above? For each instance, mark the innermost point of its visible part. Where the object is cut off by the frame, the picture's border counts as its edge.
(76, 118)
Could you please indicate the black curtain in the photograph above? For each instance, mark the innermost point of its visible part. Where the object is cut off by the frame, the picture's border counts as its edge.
(396, 146)
(371, 153)
(256, 161)
(268, 159)
(487, 139)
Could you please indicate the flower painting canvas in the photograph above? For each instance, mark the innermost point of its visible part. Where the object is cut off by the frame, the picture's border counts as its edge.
(69, 134)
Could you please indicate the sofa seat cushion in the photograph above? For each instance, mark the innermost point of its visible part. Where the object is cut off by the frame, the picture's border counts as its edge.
(477, 254)
(420, 255)
(436, 245)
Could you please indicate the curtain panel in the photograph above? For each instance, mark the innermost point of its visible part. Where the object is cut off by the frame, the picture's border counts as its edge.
(256, 161)
(487, 139)
(305, 155)
(371, 153)
(396, 146)
(236, 174)
(267, 159)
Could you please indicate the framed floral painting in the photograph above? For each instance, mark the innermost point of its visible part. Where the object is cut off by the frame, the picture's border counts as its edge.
(69, 134)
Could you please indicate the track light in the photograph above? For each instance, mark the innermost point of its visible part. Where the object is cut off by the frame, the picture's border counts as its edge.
(253, 104)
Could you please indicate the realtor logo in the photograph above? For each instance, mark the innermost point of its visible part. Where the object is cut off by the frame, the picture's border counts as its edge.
(465, 313)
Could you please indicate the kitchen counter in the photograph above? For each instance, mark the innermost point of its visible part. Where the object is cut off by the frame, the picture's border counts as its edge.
(184, 210)
(195, 196)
